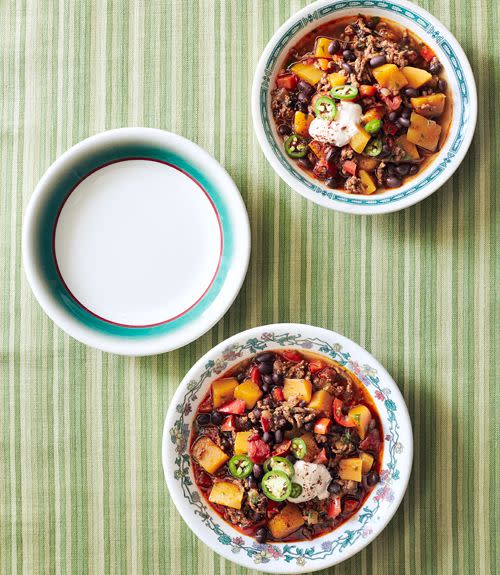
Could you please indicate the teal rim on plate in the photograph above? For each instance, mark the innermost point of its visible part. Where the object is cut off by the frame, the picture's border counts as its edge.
(464, 111)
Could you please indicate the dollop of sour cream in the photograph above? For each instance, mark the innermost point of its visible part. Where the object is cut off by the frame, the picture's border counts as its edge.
(314, 479)
(340, 130)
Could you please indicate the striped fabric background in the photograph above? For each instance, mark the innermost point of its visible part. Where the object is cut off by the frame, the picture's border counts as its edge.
(81, 485)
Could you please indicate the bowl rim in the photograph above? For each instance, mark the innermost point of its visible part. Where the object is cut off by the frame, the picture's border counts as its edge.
(141, 341)
(411, 193)
(175, 410)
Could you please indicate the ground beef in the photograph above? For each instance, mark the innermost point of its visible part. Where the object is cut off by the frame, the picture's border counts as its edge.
(237, 517)
(243, 423)
(379, 173)
(291, 369)
(282, 106)
(398, 154)
(354, 185)
(257, 502)
(290, 412)
(347, 153)
(348, 487)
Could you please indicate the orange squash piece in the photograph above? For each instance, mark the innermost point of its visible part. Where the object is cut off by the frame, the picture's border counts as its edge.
(209, 455)
(288, 520)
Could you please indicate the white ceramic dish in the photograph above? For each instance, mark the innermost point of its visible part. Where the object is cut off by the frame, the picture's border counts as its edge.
(136, 241)
(460, 80)
(350, 537)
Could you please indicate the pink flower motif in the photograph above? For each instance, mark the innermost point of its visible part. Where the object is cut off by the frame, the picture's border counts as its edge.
(354, 365)
(238, 540)
(366, 531)
(379, 395)
(384, 475)
(388, 437)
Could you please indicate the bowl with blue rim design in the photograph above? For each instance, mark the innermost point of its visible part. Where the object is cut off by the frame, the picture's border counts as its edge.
(136, 241)
(460, 80)
(294, 556)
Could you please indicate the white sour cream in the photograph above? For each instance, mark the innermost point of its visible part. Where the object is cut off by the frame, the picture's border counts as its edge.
(339, 131)
(314, 479)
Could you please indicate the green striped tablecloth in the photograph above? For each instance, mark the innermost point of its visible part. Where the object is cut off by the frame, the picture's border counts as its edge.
(81, 484)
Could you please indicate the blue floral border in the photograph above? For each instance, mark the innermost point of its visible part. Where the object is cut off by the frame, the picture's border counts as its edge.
(263, 553)
(419, 21)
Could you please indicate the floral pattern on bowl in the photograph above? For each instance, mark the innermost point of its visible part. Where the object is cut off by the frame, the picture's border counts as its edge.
(350, 536)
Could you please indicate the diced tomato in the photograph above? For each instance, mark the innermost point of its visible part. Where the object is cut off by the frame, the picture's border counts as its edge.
(392, 102)
(287, 81)
(321, 168)
(316, 365)
(371, 442)
(236, 406)
(350, 167)
(390, 128)
(334, 507)
(322, 426)
(255, 375)
(266, 423)
(350, 505)
(206, 406)
(258, 450)
(426, 53)
(339, 416)
(277, 394)
(283, 448)
(321, 457)
(229, 424)
(292, 355)
(367, 90)
(272, 508)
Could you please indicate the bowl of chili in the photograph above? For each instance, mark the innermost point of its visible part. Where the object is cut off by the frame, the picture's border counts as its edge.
(261, 412)
(365, 106)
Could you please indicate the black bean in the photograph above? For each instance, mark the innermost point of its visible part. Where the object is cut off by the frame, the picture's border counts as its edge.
(305, 87)
(309, 426)
(435, 66)
(278, 436)
(217, 418)
(413, 170)
(305, 163)
(268, 379)
(378, 61)
(257, 471)
(393, 182)
(403, 122)
(265, 367)
(277, 378)
(393, 116)
(265, 388)
(442, 85)
(406, 113)
(203, 419)
(331, 182)
(251, 482)
(403, 169)
(288, 426)
(372, 478)
(291, 459)
(301, 107)
(386, 149)
(267, 437)
(349, 55)
(333, 47)
(337, 428)
(257, 413)
(261, 535)
(346, 67)
(410, 92)
(391, 169)
(241, 376)
(284, 130)
(303, 97)
(334, 488)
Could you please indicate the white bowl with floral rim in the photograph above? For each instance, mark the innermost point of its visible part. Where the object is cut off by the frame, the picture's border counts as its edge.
(460, 80)
(348, 538)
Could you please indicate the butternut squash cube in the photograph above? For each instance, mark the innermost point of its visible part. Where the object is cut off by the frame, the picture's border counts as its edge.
(249, 392)
(423, 132)
(322, 401)
(288, 520)
(375, 113)
(241, 442)
(362, 416)
(209, 455)
(359, 140)
(366, 462)
(337, 79)
(301, 388)
(350, 469)
(368, 182)
(307, 72)
(321, 51)
(223, 390)
(416, 77)
(226, 493)
(389, 76)
(429, 106)
(301, 123)
(311, 445)
(408, 147)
